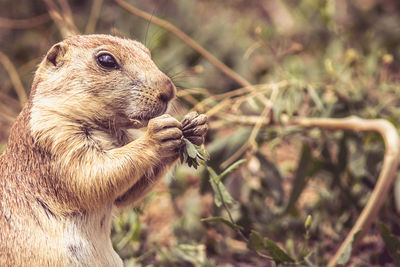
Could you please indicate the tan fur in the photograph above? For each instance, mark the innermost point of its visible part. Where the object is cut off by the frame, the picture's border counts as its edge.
(70, 159)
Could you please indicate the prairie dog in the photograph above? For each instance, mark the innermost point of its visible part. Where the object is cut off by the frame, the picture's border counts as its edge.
(70, 159)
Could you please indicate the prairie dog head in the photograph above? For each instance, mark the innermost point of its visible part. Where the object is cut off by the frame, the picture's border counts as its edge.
(102, 80)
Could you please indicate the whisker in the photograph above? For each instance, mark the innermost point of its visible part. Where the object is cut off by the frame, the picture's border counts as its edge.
(177, 108)
(154, 39)
(148, 25)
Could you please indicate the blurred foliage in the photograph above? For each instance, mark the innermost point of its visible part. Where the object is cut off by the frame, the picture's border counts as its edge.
(332, 59)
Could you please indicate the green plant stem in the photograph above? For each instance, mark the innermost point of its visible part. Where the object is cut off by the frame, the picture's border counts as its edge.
(228, 211)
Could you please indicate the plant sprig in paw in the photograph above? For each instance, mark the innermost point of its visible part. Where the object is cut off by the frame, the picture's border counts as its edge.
(194, 128)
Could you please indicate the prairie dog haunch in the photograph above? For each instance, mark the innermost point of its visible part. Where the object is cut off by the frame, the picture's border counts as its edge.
(70, 159)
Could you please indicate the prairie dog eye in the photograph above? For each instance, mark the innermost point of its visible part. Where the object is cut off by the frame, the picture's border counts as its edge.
(107, 61)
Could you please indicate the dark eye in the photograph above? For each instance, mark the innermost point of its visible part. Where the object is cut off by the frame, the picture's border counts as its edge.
(107, 61)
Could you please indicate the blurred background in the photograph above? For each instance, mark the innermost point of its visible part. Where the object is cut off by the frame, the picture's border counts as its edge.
(309, 58)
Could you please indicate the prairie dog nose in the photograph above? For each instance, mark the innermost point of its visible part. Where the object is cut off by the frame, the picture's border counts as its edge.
(167, 91)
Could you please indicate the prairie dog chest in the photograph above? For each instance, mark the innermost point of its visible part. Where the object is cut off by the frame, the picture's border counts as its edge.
(85, 239)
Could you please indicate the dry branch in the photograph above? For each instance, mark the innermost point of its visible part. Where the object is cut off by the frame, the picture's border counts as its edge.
(14, 77)
(246, 120)
(94, 16)
(24, 23)
(386, 176)
(185, 38)
(265, 116)
(62, 17)
(251, 142)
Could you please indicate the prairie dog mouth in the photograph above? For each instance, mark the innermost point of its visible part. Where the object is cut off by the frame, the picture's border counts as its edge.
(136, 123)
(143, 119)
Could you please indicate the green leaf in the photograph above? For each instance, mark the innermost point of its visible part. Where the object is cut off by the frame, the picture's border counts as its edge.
(272, 178)
(255, 242)
(217, 196)
(233, 226)
(308, 222)
(221, 195)
(195, 254)
(183, 156)
(345, 256)
(300, 179)
(226, 196)
(190, 148)
(276, 252)
(315, 97)
(392, 243)
(231, 168)
(213, 174)
(191, 154)
(202, 153)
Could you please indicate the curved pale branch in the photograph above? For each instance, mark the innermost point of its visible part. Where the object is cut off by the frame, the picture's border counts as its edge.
(386, 176)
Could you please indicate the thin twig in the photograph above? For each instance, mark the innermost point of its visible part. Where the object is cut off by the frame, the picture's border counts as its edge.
(24, 23)
(217, 108)
(66, 9)
(29, 66)
(193, 91)
(244, 93)
(63, 20)
(386, 176)
(247, 120)
(94, 16)
(189, 41)
(13, 104)
(189, 98)
(14, 77)
(258, 93)
(7, 115)
(22, 70)
(251, 142)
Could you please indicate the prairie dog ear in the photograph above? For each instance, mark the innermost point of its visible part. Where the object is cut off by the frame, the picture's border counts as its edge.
(56, 54)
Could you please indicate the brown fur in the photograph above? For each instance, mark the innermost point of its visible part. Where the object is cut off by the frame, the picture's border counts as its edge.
(70, 158)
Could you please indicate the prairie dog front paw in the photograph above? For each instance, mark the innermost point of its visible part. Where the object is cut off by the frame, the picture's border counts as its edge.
(194, 127)
(166, 132)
